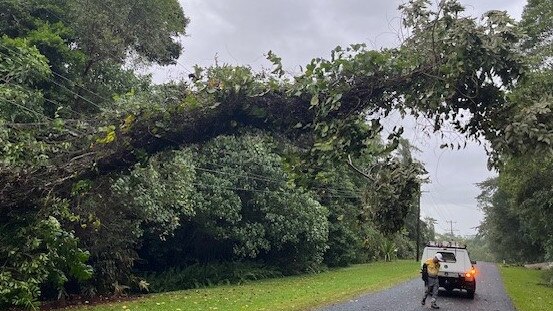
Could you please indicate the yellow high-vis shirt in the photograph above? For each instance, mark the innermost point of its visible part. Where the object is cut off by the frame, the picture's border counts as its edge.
(433, 267)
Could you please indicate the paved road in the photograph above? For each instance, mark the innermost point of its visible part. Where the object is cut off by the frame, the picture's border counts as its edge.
(490, 296)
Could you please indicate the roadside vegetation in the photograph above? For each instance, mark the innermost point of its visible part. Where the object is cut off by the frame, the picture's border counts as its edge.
(111, 184)
(287, 293)
(518, 203)
(527, 289)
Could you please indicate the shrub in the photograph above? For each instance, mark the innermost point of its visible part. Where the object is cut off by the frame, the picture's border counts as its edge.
(203, 275)
(35, 251)
(344, 246)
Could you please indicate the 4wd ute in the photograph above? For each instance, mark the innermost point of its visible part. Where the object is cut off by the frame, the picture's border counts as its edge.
(457, 270)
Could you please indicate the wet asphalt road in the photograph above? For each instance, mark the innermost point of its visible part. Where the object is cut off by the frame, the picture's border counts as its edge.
(490, 296)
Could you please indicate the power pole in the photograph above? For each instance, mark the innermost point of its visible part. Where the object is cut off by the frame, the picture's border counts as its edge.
(451, 226)
(418, 224)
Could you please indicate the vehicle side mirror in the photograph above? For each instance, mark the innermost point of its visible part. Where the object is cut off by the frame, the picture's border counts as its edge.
(473, 262)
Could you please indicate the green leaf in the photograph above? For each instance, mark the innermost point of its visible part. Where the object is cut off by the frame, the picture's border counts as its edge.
(315, 100)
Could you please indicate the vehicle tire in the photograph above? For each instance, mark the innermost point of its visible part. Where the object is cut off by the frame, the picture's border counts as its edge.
(471, 289)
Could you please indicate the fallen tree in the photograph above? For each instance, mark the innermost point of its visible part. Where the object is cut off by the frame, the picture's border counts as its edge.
(451, 69)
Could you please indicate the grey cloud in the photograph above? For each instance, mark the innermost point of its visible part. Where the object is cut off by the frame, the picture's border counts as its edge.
(242, 31)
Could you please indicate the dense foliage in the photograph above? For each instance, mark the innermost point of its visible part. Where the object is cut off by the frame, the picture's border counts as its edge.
(517, 209)
(243, 203)
(100, 169)
(518, 204)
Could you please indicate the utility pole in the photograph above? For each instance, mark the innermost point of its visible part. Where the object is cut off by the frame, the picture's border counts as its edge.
(451, 226)
(418, 224)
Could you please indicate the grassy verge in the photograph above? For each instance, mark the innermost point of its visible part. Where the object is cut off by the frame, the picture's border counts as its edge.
(289, 293)
(525, 289)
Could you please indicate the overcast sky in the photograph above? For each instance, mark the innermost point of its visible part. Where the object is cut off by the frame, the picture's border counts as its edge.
(241, 32)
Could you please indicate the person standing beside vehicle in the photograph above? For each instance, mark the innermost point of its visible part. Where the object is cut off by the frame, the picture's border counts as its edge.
(432, 285)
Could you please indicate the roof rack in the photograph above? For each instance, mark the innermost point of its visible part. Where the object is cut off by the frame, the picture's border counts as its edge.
(449, 244)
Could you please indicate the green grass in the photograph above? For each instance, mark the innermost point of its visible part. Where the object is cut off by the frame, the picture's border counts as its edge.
(525, 288)
(288, 293)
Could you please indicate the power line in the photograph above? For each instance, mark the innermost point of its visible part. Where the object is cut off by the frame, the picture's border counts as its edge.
(74, 93)
(240, 189)
(51, 80)
(32, 111)
(436, 209)
(269, 180)
(40, 115)
(36, 113)
(79, 85)
(82, 115)
(251, 176)
(265, 178)
(442, 213)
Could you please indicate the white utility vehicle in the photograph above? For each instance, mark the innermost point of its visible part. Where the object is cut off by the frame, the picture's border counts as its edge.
(457, 270)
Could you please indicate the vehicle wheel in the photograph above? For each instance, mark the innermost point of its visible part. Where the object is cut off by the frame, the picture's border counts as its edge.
(470, 294)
